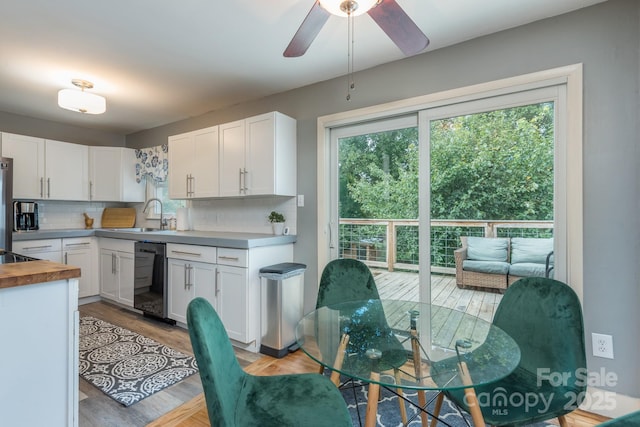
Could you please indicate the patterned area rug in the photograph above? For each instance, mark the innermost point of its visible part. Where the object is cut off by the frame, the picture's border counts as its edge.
(128, 366)
(389, 409)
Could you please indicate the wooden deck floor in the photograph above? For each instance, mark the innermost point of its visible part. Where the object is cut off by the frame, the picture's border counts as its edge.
(444, 292)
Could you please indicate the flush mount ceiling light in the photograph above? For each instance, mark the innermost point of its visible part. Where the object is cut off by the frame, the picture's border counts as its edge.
(81, 101)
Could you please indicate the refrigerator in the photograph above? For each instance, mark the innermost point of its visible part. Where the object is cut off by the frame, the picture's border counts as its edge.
(6, 202)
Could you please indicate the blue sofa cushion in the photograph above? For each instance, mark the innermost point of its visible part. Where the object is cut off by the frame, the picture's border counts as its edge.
(530, 250)
(527, 269)
(491, 267)
(487, 249)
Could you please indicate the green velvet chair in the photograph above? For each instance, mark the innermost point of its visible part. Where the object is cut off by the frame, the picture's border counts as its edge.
(346, 280)
(629, 420)
(237, 399)
(545, 318)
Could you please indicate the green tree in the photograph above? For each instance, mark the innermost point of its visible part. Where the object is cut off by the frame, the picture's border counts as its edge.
(486, 166)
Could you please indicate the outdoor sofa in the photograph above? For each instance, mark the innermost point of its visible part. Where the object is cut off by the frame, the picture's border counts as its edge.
(495, 263)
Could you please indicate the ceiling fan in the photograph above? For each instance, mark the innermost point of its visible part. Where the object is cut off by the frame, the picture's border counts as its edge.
(386, 13)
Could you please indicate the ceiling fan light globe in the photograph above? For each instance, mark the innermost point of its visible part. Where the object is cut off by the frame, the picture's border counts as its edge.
(337, 7)
(80, 101)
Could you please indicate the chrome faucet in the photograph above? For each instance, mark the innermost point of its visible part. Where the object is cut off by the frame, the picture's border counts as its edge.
(147, 205)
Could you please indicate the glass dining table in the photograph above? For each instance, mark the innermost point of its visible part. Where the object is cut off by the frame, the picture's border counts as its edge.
(408, 345)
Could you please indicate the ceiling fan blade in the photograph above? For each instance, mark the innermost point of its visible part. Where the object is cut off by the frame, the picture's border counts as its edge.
(399, 27)
(308, 31)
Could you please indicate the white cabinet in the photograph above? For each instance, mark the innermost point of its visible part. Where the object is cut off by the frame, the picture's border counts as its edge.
(270, 155)
(232, 163)
(191, 274)
(47, 169)
(81, 252)
(112, 175)
(258, 156)
(193, 164)
(28, 164)
(47, 249)
(117, 270)
(67, 169)
(188, 280)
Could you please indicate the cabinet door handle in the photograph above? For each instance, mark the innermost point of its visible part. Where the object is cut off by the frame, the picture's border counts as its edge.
(41, 187)
(186, 253)
(28, 248)
(90, 190)
(193, 185)
(244, 180)
(66, 258)
(240, 180)
(230, 258)
(48, 188)
(113, 263)
(186, 280)
(217, 282)
(76, 244)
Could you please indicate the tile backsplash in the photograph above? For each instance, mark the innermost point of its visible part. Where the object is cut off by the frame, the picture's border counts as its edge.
(238, 215)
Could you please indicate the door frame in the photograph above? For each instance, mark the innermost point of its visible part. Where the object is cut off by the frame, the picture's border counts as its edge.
(570, 76)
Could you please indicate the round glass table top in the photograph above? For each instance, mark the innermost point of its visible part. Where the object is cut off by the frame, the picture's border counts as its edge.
(411, 345)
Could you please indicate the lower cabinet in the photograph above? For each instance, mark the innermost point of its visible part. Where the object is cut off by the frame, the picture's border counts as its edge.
(188, 280)
(229, 279)
(117, 270)
(81, 252)
(46, 249)
(77, 251)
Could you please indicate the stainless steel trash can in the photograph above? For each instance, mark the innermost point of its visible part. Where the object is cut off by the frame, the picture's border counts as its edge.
(282, 305)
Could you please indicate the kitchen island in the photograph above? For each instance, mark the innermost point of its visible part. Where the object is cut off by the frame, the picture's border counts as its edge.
(39, 335)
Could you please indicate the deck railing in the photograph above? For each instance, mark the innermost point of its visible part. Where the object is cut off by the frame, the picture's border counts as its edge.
(393, 243)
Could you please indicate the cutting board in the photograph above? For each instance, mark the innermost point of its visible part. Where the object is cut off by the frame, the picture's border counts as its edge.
(118, 218)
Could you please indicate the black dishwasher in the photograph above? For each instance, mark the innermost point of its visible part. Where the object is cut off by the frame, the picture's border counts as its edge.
(150, 280)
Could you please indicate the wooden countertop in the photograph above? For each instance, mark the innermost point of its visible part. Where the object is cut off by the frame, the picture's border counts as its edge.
(30, 272)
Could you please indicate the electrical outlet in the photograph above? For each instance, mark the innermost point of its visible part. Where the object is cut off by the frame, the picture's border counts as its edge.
(300, 200)
(602, 345)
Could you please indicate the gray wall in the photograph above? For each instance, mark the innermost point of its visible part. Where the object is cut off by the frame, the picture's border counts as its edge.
(23, 125)
(605, 38)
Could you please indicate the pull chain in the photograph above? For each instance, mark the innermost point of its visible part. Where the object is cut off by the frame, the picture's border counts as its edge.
(350, 44)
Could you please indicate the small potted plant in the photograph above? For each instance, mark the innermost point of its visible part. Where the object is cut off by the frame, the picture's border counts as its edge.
(277, 222)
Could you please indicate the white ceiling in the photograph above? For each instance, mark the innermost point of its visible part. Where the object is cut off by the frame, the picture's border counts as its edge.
(159, 61)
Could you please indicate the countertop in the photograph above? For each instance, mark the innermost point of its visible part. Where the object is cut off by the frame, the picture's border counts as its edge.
(203, 238)
(31, 272)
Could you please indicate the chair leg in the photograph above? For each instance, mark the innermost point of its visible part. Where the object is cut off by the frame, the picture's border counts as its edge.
(335, 375)
(370, 419)
(417, 366)
(436, 410)
(563, 421)
(403, 409)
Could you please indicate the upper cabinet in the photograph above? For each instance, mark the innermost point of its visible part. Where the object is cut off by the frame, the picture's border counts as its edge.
(66, 169)
(46, 169)
(249, 157)
(258, 156)
(28, 164)
(193, 164)
(112, 175)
